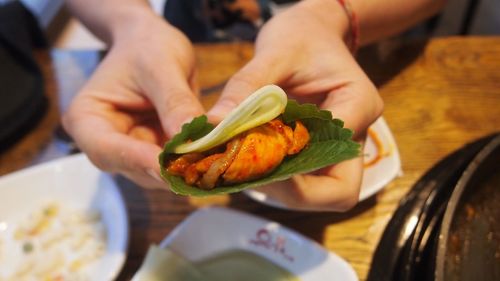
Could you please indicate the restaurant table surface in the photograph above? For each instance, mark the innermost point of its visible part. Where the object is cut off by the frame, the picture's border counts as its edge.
(439, 95)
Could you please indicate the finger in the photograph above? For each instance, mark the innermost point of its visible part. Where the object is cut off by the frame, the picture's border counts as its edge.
(114, 151)
(254, 75)
(193, 83)
(333, 189)
(145, 133)
(174, 99)
(336, 188)
(136, 159)
(358, 104)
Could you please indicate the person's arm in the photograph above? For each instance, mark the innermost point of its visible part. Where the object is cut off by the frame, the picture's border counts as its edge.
(381, 18)
(110, 19)
(377, 19)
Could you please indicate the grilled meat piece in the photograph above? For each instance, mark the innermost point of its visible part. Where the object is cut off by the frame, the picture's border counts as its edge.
(248, 156)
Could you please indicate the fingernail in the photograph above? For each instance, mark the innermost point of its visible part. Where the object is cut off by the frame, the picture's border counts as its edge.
(154, 174)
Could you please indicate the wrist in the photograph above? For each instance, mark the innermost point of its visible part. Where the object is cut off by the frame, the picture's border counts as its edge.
(338, 16)
(129, 22)
(330, 13)
(109, 19)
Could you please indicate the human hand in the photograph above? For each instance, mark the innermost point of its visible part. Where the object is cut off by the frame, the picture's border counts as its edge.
(140, 95)
(302, 50)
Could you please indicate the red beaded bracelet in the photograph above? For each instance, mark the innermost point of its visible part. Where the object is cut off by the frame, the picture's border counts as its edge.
(353, 25)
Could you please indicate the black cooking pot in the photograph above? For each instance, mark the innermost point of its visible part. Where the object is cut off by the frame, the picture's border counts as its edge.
(411, 241)
(469, 239)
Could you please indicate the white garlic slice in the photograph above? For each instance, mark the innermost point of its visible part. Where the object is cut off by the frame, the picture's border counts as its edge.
(262, 106)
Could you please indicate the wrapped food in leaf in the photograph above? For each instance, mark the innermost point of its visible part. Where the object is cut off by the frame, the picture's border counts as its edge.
(266, 138)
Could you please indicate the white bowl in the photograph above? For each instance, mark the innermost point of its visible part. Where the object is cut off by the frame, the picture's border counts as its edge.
(76, 183)
(213, 230)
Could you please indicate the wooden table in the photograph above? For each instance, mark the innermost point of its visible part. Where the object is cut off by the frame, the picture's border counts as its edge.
(438, 96)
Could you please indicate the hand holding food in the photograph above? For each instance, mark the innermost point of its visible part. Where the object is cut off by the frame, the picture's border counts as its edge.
(296, 139)
(130, 106)
(303, 50)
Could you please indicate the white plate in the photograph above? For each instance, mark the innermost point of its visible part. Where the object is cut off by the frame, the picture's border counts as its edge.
(213, 230)
(375, 176)
(76, 183)
(383, 171)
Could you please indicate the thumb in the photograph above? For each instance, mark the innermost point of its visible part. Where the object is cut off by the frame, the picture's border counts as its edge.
(175, 102)
(251, 77)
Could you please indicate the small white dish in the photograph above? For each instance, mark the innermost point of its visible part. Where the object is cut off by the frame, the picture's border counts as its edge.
(213, 230)
(76, 183)
(382, 164)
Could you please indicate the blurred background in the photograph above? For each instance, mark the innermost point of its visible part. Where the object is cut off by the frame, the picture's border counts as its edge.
(461, 17)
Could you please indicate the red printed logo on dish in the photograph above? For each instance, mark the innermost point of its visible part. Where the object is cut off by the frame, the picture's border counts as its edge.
(265, 239)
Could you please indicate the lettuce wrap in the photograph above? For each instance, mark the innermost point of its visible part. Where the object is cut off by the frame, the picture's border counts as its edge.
(329, 143)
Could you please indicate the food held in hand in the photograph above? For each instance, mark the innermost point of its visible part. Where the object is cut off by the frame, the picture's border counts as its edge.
(267, 138)
(248, 156)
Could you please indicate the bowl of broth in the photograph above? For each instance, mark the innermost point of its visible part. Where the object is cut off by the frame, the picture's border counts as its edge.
(223, 244)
